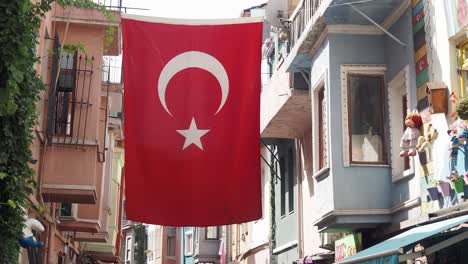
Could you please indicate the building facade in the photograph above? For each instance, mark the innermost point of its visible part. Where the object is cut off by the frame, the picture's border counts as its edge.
(78, 143)
(343, 77)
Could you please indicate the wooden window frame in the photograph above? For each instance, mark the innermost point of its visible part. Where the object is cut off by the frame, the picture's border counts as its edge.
(291, 178)
(345, 70)
(321, 97)
(382, 116)
(283, 186)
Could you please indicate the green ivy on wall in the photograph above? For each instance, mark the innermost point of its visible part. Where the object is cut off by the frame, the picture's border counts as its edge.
(140, 244)
(19, 89)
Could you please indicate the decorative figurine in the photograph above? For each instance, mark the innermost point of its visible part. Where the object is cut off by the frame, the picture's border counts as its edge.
(425, 141)
(454, 146)
(28, 239)
(409, 140)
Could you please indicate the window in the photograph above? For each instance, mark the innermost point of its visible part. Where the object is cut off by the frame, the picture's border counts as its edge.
(128, 250)
(291, 180)
(188, 243)
(171, 241)
(212, 233)
(283, 186)
(363, 114)
(150, 249)
(68, 211)
(398, 102)
(65, 94)
(366, 119)
(322, 130)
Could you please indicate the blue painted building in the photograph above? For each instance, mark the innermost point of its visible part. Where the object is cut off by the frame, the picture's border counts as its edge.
(187, 244)
(338, 97)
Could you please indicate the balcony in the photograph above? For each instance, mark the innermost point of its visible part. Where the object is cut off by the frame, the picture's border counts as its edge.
(80, 19)
(285, 106)
(73, 132)
(306, 27)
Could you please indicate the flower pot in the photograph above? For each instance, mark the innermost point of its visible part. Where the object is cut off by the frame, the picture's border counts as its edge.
(433, 193)
(459, 186)
(444, 188)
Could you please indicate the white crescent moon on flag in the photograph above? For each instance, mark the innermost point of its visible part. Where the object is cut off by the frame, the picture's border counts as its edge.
(193, 59)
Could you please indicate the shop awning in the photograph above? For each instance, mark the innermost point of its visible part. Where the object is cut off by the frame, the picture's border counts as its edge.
(388, 250)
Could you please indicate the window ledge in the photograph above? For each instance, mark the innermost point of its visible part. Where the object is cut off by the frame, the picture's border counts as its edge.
(407, 174)
(370, 165)
(322, 174)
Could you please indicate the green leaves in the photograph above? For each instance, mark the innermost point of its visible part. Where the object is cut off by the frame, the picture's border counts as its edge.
(12, 203)
(19, 90)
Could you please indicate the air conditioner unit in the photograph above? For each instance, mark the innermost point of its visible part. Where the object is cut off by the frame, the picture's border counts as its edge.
(327, 240)
(299, 80)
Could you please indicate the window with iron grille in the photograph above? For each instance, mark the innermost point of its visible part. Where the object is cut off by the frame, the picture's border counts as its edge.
(65, 94)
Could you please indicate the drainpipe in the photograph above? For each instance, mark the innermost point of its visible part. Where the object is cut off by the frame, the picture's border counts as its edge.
(300, 244)
(51, 236)
(118, 241)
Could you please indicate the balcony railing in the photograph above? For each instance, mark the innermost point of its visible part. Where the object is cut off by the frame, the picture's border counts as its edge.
(116, 5)
(304, 12)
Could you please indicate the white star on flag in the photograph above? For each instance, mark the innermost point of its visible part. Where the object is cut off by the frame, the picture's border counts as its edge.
(193, 135)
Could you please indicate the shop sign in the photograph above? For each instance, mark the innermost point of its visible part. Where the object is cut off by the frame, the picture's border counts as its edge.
(347, 246)
(456, 12)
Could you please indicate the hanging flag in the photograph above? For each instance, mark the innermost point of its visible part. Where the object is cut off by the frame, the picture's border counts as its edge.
(191, 105)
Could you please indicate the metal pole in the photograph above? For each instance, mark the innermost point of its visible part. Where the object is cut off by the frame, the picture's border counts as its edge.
(377, 25)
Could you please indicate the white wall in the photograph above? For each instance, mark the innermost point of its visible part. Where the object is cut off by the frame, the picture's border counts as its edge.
(260, 229)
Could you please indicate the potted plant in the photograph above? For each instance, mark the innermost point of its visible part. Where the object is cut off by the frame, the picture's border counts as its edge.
(458, 183)
(462, 108)
(433, 191)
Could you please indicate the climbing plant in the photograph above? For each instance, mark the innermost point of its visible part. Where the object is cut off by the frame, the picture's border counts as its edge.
(140, 244)
(19, 88)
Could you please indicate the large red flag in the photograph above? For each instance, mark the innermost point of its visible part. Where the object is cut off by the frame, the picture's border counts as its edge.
(192, 100)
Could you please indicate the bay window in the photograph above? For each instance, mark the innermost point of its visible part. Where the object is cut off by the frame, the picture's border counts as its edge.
(364, 115)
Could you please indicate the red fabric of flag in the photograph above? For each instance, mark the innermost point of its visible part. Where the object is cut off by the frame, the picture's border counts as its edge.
(191, 108)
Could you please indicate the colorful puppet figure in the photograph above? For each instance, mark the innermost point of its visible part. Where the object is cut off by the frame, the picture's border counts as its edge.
(412, 133)
(454, 146)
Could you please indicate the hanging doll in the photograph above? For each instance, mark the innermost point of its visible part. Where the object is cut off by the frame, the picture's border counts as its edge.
(409, 140)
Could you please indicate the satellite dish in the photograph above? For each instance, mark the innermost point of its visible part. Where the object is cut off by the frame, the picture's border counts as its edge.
(276, 12)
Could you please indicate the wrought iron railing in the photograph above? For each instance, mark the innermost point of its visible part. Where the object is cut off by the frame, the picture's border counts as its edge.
(304, 12)
(113, 5)
(71, 88)
(116, 5)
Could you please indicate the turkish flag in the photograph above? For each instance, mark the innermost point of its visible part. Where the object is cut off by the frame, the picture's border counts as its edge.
(191, 105)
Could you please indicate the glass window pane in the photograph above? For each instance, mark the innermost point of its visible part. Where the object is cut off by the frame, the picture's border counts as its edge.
(212, 232)
(366, 118)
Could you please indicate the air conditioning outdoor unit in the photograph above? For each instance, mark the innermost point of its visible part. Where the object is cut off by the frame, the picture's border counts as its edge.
(327, 240)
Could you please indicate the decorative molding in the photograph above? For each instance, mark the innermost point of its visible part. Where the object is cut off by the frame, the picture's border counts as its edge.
(69, 187)
(397, 87)
(396, 14)
(406, 205)
(285, 247)
(345, 70)
(322, 82)
(318, 43)
(354, 29)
